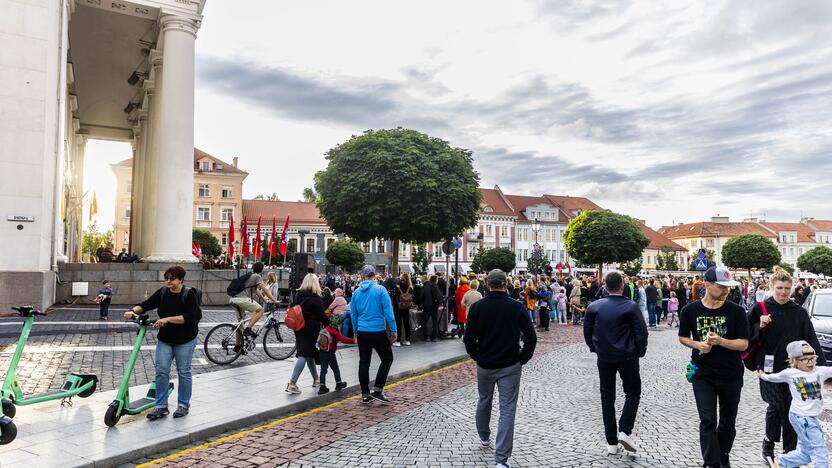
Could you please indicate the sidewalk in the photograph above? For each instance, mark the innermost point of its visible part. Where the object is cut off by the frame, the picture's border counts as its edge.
(49, 435)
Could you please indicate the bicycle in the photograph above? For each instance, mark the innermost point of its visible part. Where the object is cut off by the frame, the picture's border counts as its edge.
(226, 342)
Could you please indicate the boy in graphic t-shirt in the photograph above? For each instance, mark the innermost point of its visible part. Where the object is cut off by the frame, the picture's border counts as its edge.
(717, 332)
(805, 381)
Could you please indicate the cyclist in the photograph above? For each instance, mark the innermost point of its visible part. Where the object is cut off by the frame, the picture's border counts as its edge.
(244, 301)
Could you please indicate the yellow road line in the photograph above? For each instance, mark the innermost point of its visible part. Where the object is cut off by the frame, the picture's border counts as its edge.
(253, 430)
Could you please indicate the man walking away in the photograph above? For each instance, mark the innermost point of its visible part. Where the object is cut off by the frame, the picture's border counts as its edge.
(371, 313)
(717, 332)
(495, 325)
(615, 331)
(652, 294)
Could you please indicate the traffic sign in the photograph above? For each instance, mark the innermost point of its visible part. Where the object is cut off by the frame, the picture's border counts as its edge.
(701, 254)
(457, 243)
(701, 264)
(447, 247)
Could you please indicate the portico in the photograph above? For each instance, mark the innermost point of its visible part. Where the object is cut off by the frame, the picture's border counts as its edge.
(90, 69)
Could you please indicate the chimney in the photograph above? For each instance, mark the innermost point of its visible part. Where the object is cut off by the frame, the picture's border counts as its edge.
(234, 161)
(750, 220)
(719, 219)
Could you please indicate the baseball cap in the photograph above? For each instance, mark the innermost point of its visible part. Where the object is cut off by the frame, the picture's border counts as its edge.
(721, 276)
(799, 348)
(368, 270)
(496, 277)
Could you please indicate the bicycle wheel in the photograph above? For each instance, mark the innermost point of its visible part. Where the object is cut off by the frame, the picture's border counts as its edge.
(220, 343)
(279, 341)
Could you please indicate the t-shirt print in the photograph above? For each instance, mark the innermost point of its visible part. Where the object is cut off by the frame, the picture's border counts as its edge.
(808, 389)
(706, 324)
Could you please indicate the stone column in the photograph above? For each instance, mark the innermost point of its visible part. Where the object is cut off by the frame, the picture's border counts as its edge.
(151, 155)
(137, 195)
(175, 174)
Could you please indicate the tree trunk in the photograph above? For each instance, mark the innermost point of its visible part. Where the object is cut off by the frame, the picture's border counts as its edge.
(600, 272)
(395, 265)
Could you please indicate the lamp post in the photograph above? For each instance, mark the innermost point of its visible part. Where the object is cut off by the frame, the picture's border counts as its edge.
(536, 254)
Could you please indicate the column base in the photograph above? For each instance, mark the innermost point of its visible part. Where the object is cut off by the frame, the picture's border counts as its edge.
(170, 258)
(35, 288)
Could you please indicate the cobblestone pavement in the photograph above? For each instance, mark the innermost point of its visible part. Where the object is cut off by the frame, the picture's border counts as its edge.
(79, 327)
(558, 422)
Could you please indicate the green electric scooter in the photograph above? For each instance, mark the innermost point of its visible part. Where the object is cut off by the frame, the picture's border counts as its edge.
(122, 404)
(11, 393)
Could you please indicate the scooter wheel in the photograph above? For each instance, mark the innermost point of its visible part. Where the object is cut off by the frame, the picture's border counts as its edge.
(9, 410)
(89, 391)
(8, 431)
(112, 415)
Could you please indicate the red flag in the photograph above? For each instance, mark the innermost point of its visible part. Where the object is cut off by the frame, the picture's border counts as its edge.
(198, 249)
(257, 248)
(244, 237)
(193, 249)
(231, 238)
(272, 243)
(284, 240)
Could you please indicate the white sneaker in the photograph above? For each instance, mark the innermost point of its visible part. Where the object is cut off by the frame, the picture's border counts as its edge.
(316, 382)
(406, 343)
(397, 344)
(627, 442)
(612, 449)
(292, 388)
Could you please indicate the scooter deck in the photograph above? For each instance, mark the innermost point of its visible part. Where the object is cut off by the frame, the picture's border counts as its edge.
(138, 405)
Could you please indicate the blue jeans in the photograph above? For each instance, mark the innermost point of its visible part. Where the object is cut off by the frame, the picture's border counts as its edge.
(104, 308)
(304, 361)
(651, 313)
(165, 354)
(346, 325)
(810, 445)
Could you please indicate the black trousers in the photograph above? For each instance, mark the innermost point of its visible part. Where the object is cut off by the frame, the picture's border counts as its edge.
(544, 317)
(779, 400)
(431, 314)
(631, 380)
(329, 360)
(367, 343)
(716, 436)
(403, 324)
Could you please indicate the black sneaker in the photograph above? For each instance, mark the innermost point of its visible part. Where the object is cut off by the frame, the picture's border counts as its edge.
(157, 413)
(768, 451)
(366, 399)
(724, 461)
(180, 412)
(237, 348)
(340, 385)
(380, 397)
(322, 390)
(249, 332)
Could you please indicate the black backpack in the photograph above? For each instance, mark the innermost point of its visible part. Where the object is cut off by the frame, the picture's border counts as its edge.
(237, 285)
(197, 297)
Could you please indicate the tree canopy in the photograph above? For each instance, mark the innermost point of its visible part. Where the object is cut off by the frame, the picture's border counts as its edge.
(750, 251)
(400, 185)
(92, 239)
(537, 265)
(631, 268)
(309, 195)
(272, 197)
(666, 259)
(488, 259)
(346, 254)
(598, 237)
(817, 260)
(210, 245)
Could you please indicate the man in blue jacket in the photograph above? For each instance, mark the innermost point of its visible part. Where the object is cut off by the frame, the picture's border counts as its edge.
(615, 331)
(371, 313)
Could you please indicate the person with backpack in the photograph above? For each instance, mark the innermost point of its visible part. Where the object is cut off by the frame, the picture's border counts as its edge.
(403, 296)
(371, 313)
(308, 298)
(179, 312)
(243, 290)
(327, 345)
(431, 300)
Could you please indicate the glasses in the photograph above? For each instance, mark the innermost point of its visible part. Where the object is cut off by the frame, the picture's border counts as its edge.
(808, 360)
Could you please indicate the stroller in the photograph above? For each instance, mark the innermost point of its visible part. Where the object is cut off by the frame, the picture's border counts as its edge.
(544, 309)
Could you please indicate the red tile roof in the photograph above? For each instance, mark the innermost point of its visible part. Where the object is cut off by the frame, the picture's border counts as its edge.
(821, 225)
(657, 241)
(804, 232)
(492, 198)
(298, 212)
(570, 204)
(710, 229)
(198, 154)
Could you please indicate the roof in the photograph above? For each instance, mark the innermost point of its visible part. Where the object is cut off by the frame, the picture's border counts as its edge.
(521, 202)
(198, 154)
(821, 225)
(493, 199)
(571, 204)
(804, 232)
(298, 212)
(657, 241)
(710, 229)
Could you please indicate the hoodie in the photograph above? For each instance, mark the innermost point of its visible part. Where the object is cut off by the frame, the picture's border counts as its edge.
(370, 308)
(789, 322)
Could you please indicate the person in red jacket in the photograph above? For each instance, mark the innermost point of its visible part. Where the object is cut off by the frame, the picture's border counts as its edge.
(326, 353)
(461, 313)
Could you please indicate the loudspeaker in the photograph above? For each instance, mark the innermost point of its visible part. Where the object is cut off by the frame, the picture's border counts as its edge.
(302, 264)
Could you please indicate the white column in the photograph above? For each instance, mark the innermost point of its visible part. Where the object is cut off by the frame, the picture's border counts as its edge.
(151, 154)
(175, 173)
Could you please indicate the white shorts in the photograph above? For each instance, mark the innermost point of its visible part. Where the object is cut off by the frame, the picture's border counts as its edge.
(245, 304)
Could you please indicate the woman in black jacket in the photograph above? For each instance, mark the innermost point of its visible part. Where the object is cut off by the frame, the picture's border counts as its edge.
(431, 300)
(785, 322)
(308, 298)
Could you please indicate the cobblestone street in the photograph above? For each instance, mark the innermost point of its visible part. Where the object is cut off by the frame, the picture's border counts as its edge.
(558, 422)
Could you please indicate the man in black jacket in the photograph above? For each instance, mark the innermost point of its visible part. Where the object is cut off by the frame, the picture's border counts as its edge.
(614, 330)
(492, 336)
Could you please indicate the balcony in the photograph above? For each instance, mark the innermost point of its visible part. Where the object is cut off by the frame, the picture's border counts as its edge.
(202, 224)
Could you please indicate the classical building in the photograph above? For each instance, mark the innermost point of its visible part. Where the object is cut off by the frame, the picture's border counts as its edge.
(81, 69)
(217, 195)
(649, 257)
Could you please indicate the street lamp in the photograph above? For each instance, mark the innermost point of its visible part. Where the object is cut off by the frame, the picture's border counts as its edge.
(536, 229)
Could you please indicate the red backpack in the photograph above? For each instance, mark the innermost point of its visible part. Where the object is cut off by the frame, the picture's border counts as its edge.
(294, 318)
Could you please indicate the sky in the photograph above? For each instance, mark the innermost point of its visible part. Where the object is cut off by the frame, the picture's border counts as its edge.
(665, 111)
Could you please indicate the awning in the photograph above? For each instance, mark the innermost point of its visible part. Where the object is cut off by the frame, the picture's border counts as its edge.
(404, 268)
(439, 268)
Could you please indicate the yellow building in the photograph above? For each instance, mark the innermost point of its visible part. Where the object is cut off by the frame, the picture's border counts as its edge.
(218, 195)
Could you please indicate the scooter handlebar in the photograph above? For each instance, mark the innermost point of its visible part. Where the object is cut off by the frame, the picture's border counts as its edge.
(142, 319)
(27, 311)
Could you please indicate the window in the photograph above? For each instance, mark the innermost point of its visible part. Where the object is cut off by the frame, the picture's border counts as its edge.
(126, 213)
(404, 250)
(226, 192)
(380, 246)
(206, 166)
(224, 238)
(226, 214)
(503, 231)
(366, 246)
(523, 234)
(792, 238)
(310, 245)
(489, 230)
(203, 214)
(709, 243)
(204, 191)
(329, 242)
(129, 186)
(437, 251)
(472, 251)
(791, 251)
(800, 251)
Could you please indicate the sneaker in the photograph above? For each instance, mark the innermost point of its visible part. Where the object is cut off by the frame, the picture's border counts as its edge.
(612, 449)
(502, 465)
(397, 344)
(292, 388)
(406, 343)
(485, 443)
(380, 397)
(249, 332)
(157, 413)
(180, 412)
(340, 385)
(366, 399)
(316, 382)
(768, 451)
(724, 461)
(626, 442)
(323, 390)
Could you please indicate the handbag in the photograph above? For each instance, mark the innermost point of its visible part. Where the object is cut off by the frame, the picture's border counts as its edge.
(749, 356)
